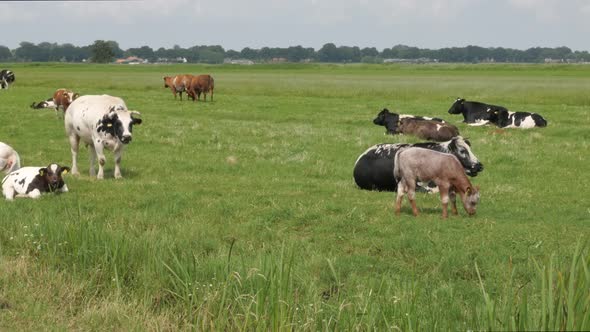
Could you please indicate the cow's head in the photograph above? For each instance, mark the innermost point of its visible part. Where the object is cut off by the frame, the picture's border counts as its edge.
(461, 148)
(119, 123)
(457, 107)
(497, 116)
(471, 199)
(167, 81)
(387, 119)
(52, 174)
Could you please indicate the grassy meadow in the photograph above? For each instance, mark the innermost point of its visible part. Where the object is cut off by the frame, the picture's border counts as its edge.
(242, 214)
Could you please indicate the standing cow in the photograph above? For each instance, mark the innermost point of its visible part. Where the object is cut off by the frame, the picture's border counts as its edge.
(6, 78)
(474, 113)
(200, 84)
(178, 83)
(9, 158)
(101, 122)
(373, 170)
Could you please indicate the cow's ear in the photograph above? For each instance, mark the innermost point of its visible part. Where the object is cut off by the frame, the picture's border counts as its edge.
(468, 191)
(65, 170)
(136, 121)
(42, 171)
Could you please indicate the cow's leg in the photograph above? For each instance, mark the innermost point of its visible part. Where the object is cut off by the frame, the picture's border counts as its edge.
(453, 197)
(34, 194)
(8, 192)
(101, 160)
(74, 144)
(92, 154)
(411, 189)
(444, 198)
(118, 154)
(400, 195)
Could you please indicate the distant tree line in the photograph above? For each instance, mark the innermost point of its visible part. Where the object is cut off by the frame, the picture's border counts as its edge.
(107, 51)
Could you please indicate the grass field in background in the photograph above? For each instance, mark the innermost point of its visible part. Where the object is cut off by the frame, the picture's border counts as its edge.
(242, 214)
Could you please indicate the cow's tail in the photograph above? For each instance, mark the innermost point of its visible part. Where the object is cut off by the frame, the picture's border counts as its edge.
(396, 172)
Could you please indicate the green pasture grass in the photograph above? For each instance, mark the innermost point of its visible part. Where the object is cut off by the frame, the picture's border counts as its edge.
(241, 213)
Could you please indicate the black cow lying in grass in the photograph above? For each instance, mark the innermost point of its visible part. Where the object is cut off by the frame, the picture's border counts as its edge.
(506, 119)
(474, 113)
(373, 170)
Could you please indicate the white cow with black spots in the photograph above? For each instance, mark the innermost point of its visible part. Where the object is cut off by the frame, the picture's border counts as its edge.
(101, 122)
(33, 181)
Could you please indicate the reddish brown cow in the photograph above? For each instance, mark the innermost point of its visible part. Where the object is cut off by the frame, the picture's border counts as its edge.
(63, 98)
(201, 84)
(428, 129)
(178, 83)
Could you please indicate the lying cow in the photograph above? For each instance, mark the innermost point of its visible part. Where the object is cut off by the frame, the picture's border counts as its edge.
(507, 119)
(33, 181)
(200, 84)
(442, 168)
(373, 169)
(474, 112)
(6, 78)
(428, 129)
(9, 158)
(61, 97)
(101, 122)
(178, 83)
(391, 120)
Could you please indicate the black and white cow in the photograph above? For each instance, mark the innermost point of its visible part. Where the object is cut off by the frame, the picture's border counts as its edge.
(507, 119)
(6, 78)
(474, 112)
(101, 122)
(373, 169)
(49, 103)
(391, 120)
(33, 181)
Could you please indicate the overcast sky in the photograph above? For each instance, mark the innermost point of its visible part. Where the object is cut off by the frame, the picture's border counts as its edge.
(235, 24)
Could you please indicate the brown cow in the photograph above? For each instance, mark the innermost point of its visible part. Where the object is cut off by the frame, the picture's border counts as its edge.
(201, 84)
(178, 83)
(63, 98)
(428, 129)
(444, 169)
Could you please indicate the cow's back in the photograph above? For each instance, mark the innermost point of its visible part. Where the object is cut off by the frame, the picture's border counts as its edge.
(84, 112)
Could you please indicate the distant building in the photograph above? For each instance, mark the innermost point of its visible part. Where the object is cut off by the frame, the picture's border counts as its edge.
(238, 61)
(131, 60)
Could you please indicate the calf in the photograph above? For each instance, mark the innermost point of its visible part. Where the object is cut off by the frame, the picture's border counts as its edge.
(474, 112)
(101, 122)
(507, 119)
(428, 129)
(177, 84)
(9, 158)
(6, 78)
(373, 170)
(200, 84)
(442, 168)
(33, 181)
(391, 120)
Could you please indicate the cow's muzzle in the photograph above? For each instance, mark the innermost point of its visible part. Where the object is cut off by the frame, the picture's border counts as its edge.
(475, 169)
(126, 139)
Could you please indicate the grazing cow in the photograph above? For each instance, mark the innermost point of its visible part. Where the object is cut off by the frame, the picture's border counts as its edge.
(61, 97)
(391, 120)
(6, 78)
(200, 84)
(178, 83)
(507, 119)
(9, 158)
(428, 129)
(33, 181)
(373, 170)
(474, 113)
(101, 122)
(442, 168)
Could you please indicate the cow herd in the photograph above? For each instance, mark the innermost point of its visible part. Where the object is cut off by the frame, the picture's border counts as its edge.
(101, 122)
(441, 165)
(104, 122)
